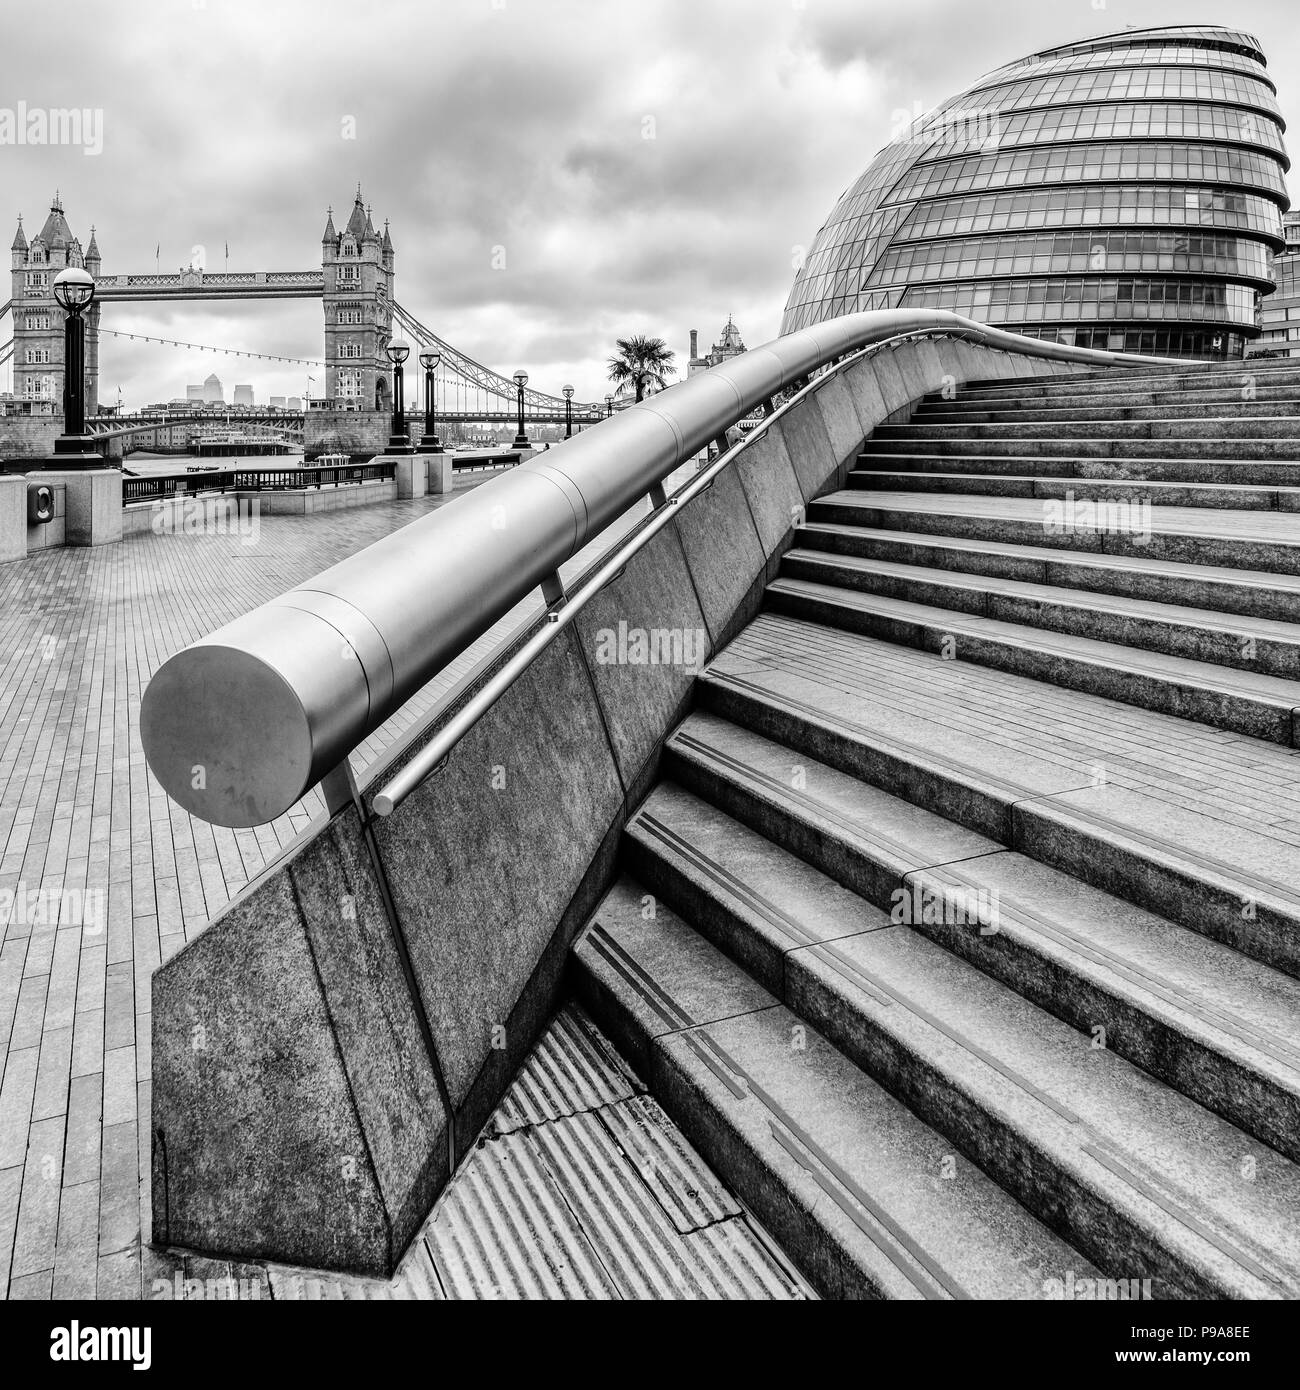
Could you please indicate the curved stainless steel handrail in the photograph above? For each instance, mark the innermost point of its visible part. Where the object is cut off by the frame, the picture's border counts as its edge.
(240, 725)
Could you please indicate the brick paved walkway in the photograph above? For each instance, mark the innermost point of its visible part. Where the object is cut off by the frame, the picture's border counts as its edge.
(81, 633)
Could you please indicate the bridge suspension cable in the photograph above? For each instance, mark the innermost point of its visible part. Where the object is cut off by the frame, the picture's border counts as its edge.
(6, 351)
(207, 347)
(484, 378)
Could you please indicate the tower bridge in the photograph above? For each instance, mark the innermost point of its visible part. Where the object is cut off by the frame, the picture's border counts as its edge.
(196, 284)
(355, 284)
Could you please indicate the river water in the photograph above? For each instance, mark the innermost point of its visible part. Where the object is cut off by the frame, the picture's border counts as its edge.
(150, 465)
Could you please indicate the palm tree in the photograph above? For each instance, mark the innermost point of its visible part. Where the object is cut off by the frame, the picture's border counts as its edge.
(643, 363)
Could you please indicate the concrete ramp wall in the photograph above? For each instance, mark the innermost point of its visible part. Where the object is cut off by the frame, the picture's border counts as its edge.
(303, 1044)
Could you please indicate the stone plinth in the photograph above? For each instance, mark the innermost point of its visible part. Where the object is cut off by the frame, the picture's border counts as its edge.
(440, 474)
(93, 502)
(13, 518)
(409, 473)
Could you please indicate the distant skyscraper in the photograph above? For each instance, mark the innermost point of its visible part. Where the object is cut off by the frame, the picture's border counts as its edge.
(243, 395)
(277, 402)
(294, 403)
(212, 390)
(194, 393)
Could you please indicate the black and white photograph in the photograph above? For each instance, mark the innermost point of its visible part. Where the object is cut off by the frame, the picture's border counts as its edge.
(649, 654)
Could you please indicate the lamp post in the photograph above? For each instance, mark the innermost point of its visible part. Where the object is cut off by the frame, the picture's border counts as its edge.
(568, 412)
(430, 443)
(399, 442)
(521, 439)
(74, 290)
(609, 406)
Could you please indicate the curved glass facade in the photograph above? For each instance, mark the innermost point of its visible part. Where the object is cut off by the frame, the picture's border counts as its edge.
(1124, 192)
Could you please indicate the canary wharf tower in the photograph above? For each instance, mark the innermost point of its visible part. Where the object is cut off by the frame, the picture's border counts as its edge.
(1121, 192)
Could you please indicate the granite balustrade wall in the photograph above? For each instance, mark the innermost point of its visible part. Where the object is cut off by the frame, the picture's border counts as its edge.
(296, 1111)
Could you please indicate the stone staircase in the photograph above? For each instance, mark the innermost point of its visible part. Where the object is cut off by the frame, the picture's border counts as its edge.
(961, 932)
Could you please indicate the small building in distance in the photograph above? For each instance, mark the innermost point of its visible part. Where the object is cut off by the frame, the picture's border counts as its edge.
(729, 345)
(1279, 315)
(244, 395)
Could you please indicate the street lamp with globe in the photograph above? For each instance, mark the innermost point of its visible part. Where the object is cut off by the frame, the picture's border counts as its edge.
(399, 441)
(74, 291)
(521, 380)
(430, 443)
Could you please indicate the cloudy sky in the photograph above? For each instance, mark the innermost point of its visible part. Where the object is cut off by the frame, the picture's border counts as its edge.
(645, 168)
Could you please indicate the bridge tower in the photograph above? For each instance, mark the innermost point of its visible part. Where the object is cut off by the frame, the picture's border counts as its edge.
(38, 321)
(358, 268)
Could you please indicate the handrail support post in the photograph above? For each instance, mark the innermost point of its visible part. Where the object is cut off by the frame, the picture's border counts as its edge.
(553, 590)
(339, 788)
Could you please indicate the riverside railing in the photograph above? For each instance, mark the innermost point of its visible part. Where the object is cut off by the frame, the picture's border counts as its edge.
(239, 726)
(161, 486)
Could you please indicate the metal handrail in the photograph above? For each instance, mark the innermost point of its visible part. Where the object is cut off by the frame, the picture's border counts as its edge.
(239, 726)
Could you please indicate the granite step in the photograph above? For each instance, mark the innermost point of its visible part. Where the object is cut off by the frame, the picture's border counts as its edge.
(865, 1198)
(1073, 410)
(1143, 491)
(1042, 395)
(1203, 377)
(1245, 593)
(1200, 427)
(1242, 701)
(1266, 473)
(1217, 1026)
(1044, 442)
(1126, 1169)
(1261, 645)
(1196, 825)
(1249, 540)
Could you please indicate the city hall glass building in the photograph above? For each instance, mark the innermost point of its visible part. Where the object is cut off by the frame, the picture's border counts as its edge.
(1121, 192)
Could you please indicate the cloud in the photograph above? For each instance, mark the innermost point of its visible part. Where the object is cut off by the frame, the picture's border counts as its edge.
(645, 169)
